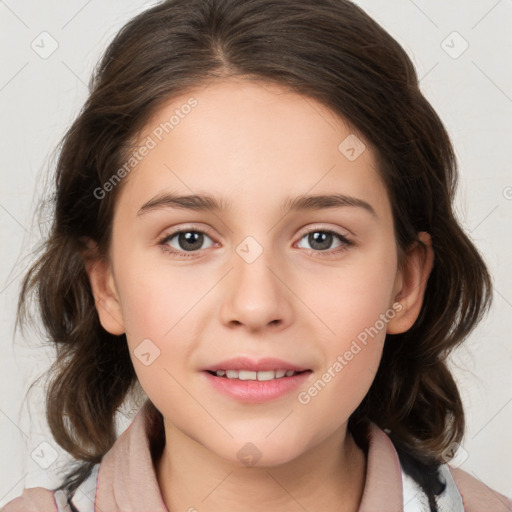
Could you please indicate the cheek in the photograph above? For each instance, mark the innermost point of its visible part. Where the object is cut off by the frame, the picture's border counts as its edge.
(353, 305)
(353, 296)
(156, 298)
(336, 393)
(351, 359)
(158, 308)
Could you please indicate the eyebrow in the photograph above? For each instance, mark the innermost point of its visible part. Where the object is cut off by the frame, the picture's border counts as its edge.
(203, 202)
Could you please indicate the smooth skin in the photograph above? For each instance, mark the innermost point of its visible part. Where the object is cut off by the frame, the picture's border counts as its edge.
(253, 146)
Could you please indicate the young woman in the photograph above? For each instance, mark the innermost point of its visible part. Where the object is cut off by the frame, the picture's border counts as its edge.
(254, 226)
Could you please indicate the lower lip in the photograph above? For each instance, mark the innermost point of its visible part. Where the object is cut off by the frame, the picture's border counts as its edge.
(256, 391)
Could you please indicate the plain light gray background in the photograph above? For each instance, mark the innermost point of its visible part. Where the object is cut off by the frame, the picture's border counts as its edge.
(462, 51)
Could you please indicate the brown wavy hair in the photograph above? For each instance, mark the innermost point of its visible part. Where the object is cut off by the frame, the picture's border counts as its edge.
(328, 50)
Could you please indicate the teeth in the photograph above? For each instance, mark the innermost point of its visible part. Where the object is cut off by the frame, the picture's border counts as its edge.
(268, 375)
(252, 375)
(246, 375)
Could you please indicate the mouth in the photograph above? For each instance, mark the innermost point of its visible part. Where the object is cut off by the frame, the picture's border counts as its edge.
(252, 381)
(243, 364)
(262, 375)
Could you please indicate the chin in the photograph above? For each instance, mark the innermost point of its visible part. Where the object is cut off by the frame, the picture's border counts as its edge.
(263, 452)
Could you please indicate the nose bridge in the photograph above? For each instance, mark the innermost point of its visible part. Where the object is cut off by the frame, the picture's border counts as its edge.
(255, 296)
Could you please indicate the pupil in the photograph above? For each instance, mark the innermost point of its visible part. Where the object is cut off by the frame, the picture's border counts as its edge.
(320, 240)
(190, 240)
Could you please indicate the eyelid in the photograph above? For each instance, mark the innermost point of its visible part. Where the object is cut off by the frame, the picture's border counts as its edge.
(323, 227)
(302, 231)
(174, 231)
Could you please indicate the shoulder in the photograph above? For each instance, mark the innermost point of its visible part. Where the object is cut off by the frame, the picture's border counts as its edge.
(462, 493)
(34, 499)
(415, 499)
(476, 495)
(39, 499)
(386, 480)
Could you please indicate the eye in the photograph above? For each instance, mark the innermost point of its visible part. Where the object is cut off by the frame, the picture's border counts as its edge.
(321, 240)
(184, 241)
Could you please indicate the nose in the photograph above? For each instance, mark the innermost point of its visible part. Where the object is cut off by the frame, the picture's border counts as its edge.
(256, 295)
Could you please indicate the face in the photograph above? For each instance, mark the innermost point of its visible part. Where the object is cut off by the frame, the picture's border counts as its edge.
(200, 286)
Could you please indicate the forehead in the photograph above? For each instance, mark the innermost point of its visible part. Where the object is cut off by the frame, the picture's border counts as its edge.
(253, 143)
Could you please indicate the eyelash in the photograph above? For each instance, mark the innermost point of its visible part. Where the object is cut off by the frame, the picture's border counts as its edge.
(191, 254)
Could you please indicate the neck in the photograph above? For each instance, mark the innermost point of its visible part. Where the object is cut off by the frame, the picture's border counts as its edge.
(328, 477)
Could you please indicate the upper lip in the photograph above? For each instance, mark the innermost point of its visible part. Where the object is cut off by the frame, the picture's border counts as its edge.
(245, 363)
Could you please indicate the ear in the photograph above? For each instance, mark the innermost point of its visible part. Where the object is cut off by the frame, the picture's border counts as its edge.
(103, 287)
(411, 282)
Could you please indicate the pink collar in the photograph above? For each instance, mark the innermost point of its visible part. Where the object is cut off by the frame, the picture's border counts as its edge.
(127, 479)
